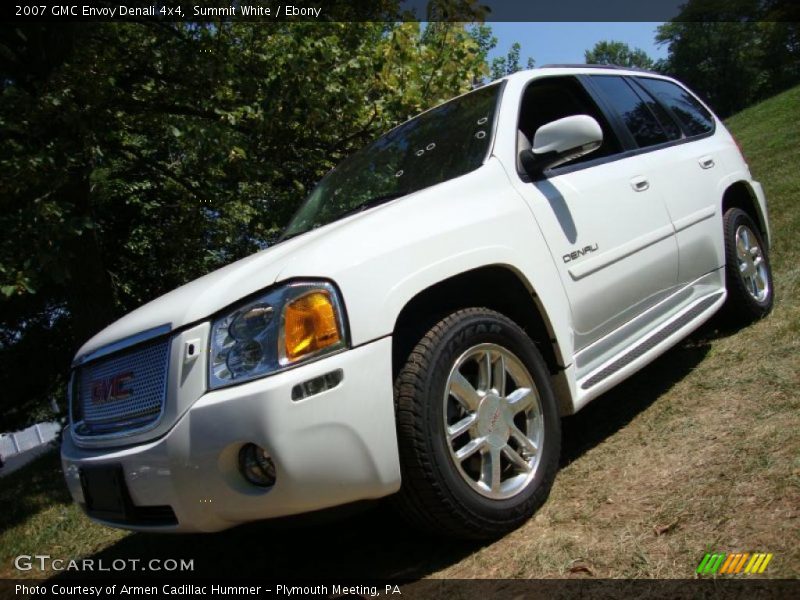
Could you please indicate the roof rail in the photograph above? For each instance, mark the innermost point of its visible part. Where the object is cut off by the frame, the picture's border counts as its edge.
(593, 66)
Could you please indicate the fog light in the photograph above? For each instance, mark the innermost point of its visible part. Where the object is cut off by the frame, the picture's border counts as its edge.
(256, 465)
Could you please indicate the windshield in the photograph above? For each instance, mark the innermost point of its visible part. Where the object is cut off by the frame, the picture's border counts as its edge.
(445, 142)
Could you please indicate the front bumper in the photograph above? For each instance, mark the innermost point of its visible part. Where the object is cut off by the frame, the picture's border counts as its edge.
(329, 449)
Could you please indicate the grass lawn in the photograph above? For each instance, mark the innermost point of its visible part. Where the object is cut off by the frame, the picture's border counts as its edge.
(698, 452)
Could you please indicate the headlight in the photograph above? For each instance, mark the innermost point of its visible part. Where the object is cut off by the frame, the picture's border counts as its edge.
(286, 326)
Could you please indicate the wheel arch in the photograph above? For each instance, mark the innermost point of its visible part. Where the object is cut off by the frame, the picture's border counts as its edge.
(479, 288)
(740, 194)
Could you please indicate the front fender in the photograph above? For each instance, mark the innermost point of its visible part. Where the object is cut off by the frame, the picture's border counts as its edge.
(386, 256)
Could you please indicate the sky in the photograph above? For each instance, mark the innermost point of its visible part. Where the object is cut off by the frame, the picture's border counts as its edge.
(550, 43)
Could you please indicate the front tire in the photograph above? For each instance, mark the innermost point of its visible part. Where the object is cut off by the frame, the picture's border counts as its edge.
(478, 427)
(748, 276)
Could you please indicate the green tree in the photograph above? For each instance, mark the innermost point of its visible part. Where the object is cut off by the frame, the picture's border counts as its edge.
(137, 157)
(617, 53)
(733, 52)
(508, 64)
(719, 60)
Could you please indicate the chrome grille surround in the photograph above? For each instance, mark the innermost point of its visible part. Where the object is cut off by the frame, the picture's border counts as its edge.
(122, 393)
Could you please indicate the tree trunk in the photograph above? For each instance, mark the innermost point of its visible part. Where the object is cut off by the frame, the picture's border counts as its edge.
(90, 292)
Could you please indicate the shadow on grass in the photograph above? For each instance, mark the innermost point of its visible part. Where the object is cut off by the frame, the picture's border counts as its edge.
(610, 412)
(375, 543)
(34, 487)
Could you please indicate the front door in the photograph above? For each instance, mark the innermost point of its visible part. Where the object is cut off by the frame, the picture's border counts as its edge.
(611, 238)
(604, 221)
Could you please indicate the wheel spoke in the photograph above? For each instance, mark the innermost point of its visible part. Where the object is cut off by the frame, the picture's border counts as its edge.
(457, 429)
(746, 237)
(518, 374)
(499, 375)
(515, 458)
(463, 391)
(520, 399)
(741, 247)
(495, 454)
(490, 469)
(523, 440)
(468, 449)
(485, 372)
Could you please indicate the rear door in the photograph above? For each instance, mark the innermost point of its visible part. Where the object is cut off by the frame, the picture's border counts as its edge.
(688, 173)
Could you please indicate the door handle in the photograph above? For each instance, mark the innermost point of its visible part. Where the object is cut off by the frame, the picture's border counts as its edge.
(640, 184)
(707, 162)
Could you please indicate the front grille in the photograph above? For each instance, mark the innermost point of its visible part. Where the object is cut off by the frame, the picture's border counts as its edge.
(123, 391)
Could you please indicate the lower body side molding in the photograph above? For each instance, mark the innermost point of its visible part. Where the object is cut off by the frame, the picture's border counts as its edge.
(650, 342)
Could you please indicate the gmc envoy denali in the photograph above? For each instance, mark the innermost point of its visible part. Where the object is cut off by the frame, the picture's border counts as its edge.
(435, 306)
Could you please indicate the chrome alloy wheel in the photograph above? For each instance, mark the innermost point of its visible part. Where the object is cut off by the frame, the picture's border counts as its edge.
(751, 263)
(493, 421)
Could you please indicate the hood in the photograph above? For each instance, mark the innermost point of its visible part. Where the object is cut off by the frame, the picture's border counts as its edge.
(201, 298)
(344, 251)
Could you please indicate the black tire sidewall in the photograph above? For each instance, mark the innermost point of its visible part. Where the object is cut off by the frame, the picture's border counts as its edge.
(467, 333)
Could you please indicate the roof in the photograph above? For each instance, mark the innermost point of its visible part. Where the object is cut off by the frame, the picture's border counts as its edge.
(595, 66)
(565, 69)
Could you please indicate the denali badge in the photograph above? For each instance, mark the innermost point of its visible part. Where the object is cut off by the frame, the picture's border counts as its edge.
(578, 253)
(111, 389)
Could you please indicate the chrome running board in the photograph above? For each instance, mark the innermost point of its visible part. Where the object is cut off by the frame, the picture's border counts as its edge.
(651, 341)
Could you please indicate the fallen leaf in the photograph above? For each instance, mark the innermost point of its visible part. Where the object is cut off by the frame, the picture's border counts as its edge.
(580, 567)
(662, 529)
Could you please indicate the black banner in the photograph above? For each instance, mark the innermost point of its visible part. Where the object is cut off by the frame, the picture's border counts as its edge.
(404, 10)
(566, 589)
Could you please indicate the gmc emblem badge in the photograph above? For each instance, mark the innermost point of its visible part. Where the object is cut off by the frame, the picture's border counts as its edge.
(111, 389)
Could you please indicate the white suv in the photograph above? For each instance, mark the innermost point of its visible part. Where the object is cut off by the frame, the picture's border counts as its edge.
(438, 302)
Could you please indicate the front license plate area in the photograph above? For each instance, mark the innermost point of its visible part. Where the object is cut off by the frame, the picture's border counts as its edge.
(105, 492)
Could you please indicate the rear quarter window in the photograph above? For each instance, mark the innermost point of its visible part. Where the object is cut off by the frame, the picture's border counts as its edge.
(693, 116)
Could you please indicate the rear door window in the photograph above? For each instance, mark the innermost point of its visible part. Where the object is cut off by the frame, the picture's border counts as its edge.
(635, 111)
(693, 116)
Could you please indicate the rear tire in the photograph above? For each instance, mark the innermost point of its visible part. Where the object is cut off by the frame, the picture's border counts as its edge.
(478, 427)
(748, 276)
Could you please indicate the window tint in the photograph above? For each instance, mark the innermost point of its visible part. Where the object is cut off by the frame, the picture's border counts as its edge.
(671, 127)
(693, 115)
(633, 109)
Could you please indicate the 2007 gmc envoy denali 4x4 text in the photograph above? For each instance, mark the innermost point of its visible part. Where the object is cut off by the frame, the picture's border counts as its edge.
(435, 306)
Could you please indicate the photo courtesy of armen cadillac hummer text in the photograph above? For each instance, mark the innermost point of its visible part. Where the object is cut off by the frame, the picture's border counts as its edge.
(436, 305)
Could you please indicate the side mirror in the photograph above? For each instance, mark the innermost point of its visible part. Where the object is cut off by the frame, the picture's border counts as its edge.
(561, 141)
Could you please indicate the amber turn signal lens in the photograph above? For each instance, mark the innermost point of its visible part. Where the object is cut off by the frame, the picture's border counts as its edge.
(310, 324)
